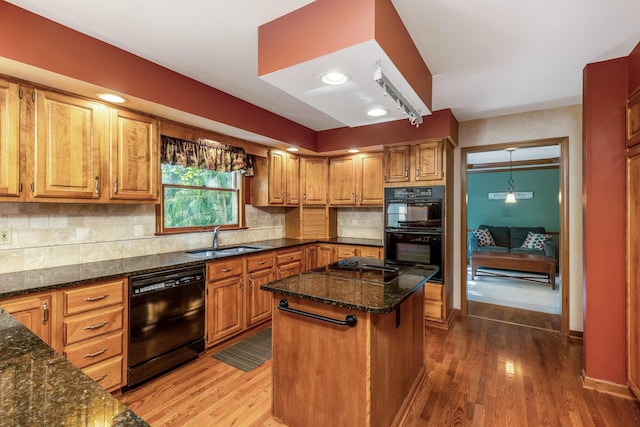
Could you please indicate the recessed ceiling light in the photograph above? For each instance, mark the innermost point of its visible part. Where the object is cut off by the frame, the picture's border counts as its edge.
(293, 149)
(109, 97)
(334, 78)
(353, 150)
(377, 112)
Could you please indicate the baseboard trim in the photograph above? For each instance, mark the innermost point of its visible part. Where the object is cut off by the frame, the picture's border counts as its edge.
(576, 334)
(606, 387)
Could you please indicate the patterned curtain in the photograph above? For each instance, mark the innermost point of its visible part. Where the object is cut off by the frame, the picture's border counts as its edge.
(205, 154)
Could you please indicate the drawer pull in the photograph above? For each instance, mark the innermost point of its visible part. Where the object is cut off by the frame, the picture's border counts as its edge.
(100, 378)
(261, 262)
(45, 312)
(289, 258)
(96, 326)
(225, 270)
(98, 298)
(95, 353)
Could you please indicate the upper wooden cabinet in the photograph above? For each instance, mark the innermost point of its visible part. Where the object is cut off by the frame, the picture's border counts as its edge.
(133, 158)
(356, 180)
(69, 133)
(633, 118)
(417, 163)
(9, 140)
(313, 180)
(277, 180)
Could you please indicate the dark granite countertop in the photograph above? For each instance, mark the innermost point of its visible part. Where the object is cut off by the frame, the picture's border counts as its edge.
(31, 281)
(42, 388)
(359, 290)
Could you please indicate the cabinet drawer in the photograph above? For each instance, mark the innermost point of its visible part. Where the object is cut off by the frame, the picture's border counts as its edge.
(221, 269)
(433, 311)
(108, 373)
(92, 324)
(92, 297)
(95, 350)
(286, 257)
(370, 252)
(343, 252)
(259, 261)
(433, 292)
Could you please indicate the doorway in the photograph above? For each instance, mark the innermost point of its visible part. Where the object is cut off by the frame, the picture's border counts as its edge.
(534, 149)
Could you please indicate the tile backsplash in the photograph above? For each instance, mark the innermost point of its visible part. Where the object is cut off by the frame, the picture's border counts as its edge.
(51, 234)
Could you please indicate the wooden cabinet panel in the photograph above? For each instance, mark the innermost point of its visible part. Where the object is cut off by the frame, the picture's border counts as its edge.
(326, 254)
(313, 180)
(94, 350)
(92, 324)
(344, 251)
(428, 161)
(34, 312)
(397, 163)
(108, 373)
(69, 135)
(370, 252)
(93, 297)
(220, 269)
(9, 140)
(224, 308)
(370, 182)
(277, 174)
(258, 302)
(310, 257)
(342, 181)
(633, 269)
(356, 180)
(288, 262)
(292, 180)
(134, 157)
(276, 181)
(633, 119)
(259, 261)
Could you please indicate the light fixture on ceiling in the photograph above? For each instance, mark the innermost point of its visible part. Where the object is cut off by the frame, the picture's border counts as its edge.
(110, 97)
(401, 103)
(377, 112)
(293, 149)
(353, 150)
(334, 78)
(511, 197)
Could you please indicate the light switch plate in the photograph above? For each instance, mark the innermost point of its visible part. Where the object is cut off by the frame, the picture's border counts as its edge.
(5, 236)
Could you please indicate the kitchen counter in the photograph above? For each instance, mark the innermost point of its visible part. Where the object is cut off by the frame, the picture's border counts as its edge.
(31, 281)
(350, 339)
(41, 388)
(362, 289)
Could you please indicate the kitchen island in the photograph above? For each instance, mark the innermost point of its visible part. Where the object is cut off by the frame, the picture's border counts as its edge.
(348, 343)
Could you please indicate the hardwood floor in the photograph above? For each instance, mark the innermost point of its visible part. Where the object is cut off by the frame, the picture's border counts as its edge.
(480, 373)
(518, 316)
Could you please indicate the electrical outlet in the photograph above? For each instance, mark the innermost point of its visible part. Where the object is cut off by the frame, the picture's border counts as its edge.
(5, 236)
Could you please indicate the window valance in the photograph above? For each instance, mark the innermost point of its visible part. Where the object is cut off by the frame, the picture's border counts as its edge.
(205, 154)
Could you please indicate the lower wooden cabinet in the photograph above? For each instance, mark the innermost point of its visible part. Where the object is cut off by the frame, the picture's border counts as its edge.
(224, 302)
(260, 270)
(34, 312)
(288, 262)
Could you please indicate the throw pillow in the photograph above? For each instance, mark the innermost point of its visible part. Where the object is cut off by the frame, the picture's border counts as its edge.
(484, 237)
(535, 241)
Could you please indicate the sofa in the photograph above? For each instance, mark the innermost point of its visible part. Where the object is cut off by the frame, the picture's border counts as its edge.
(515, 240)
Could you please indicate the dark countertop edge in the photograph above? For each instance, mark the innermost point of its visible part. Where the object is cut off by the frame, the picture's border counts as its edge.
(363, 308)
(180, 259)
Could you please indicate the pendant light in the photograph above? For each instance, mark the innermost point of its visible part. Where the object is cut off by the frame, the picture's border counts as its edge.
(511, 197)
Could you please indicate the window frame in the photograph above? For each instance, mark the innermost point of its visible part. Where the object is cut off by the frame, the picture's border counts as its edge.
(239, 189)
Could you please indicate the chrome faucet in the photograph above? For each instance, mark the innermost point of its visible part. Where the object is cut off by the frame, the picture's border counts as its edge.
(215, 237)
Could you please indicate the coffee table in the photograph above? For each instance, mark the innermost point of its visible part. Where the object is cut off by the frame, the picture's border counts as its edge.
(520, 262)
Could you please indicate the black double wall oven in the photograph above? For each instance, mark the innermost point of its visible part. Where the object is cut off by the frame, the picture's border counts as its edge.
(413, 226)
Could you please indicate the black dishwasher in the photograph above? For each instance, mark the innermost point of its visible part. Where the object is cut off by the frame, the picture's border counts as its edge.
(166, 321)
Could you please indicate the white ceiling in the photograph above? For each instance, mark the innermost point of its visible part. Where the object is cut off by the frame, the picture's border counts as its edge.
(488, 58)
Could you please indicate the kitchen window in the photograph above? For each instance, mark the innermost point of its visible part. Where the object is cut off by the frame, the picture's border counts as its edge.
(202, 186)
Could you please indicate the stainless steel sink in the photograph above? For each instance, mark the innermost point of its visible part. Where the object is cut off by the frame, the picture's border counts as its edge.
(212, 253)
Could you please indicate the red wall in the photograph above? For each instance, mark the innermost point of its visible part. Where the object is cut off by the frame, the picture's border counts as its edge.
(605, 88)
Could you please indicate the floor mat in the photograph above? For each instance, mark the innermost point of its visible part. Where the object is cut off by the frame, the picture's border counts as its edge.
(249, 353)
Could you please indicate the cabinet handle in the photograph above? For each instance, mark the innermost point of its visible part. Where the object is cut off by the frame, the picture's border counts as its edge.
(97, 189)
(115, 185)
(417, 173)
(98, 298)
(95, 353)
(353, 196)
(289, 258)
(96, 326)
(225, 270)
(241, 285)
(100, 378)
(361, 197)
(261, 262)
(406, 173)
(250, 282)
(45, 312)
(304, 198)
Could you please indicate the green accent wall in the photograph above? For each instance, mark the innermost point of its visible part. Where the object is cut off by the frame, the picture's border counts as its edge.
(543, 210)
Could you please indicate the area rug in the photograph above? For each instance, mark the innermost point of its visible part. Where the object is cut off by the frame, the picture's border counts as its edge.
(249, 353)
(514, 292)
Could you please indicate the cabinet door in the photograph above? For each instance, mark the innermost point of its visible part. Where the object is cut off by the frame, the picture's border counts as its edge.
(342, 184)
(69, 135)
(428, 161)
(134, 157)
(633, 269)
(9, 140)
(310, 257)
(313, 177)
(224, 308)
(258, 301)
(32, 312)
(370, 191)
(292, 180)
(325, 255)
(277, 174)
(396, 163)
